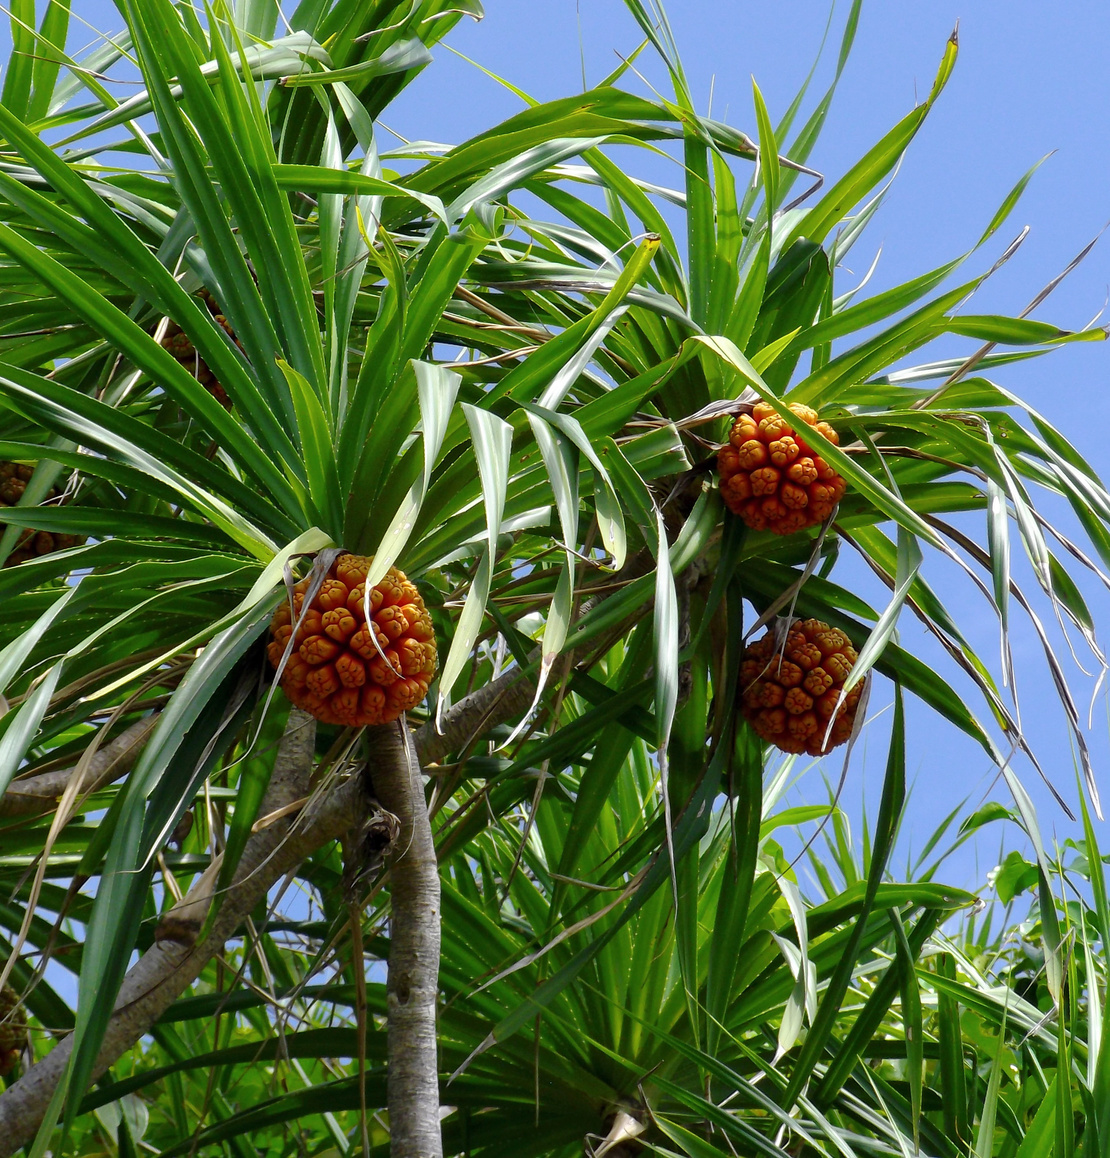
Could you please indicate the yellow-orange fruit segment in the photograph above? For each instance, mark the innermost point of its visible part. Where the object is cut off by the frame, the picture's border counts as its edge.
(771, 477)
(14, 477)
(181, 347)
(337, 670)
(789, 691)
(13, 1033)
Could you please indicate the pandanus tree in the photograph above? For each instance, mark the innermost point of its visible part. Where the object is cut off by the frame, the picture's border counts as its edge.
(383, 585)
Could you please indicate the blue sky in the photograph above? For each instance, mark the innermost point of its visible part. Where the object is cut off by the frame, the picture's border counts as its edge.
(1031, 80)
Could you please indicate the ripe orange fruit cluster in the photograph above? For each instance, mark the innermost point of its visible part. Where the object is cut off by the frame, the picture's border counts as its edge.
(13, 1033)
(14, 477)
(335, 671)
(181, 347)
(771, 478)
(790, 691)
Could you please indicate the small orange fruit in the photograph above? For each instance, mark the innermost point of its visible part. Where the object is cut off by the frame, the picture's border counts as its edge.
(771, 477)
(181, 347)
(337, 670)
(13, 1031)
(789, 690)
(14, 477)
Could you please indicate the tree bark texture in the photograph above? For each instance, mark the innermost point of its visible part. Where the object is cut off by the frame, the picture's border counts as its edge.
(485, 708)
(490, 705)
(413, 1081)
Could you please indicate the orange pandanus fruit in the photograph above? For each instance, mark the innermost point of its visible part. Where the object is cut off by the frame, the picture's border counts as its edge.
(181, 347)
(14, 477)
(791, 688)
(335, 671)
(13, 1033)
(771, 477)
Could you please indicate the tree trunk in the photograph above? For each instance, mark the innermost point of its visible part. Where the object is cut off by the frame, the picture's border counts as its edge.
(413, 1084)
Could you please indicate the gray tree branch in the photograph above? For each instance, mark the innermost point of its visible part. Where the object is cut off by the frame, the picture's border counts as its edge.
(38, 794)
(492, 704)
(173, 962)
(507, 696)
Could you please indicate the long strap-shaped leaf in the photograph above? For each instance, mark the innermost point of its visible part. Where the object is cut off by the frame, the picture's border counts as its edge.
(875, 164)
(145, 353)
(93, 424)
(113, 925)
(887, 502)
(886, 828)
(438, 388)
(493, 438)
(124, 255)
(158, 37)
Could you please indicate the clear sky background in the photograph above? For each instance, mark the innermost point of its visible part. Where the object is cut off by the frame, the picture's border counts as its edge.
(1031, 80)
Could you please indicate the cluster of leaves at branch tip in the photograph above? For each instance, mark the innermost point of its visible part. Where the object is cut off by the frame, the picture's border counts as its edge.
(181, 347)
(792, 687)
(13, 1031)
(771, 477)
(337, 670)
(14, 477)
